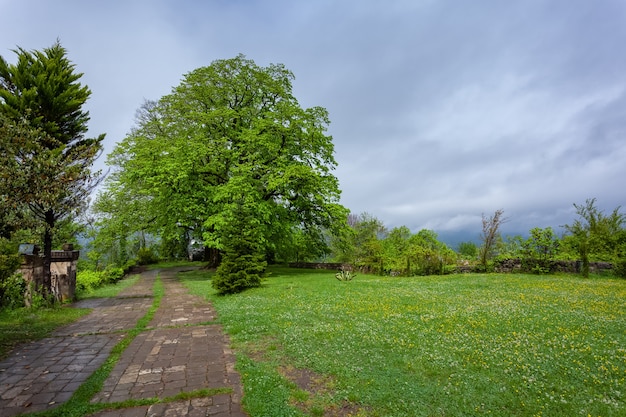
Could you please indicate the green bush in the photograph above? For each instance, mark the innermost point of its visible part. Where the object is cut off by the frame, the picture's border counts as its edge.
(11, 285)
(238, 272)
(129, 265)
(619, 268)
(12, 291)
(112, 274)
(146, 256)
(87, 281)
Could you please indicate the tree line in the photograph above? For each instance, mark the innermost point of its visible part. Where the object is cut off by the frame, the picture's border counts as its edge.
(593, 236)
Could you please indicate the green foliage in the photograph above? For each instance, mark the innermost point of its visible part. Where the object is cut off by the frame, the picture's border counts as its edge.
(228, 128)
(12, 285)
(540, 250)
(619, 263)
(86, 281)
(243, 264)
(371, 249)
(12, 291)
(147, 256)
(173, 248)
(468, 250)
(345, 275)
(238, 272)
(429, 256)
(396, 251)
(45, 165)
(9, 258)
(594, 235)
(89, 280)
(360, 244)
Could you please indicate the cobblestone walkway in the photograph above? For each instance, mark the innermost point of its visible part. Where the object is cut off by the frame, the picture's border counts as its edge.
(181, 351)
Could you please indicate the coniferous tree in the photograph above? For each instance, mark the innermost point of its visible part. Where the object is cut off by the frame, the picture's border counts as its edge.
(242, 263)
(45, 166)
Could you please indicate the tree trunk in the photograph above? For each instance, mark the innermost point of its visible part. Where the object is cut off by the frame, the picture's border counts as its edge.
(46, 290)
(213, 257)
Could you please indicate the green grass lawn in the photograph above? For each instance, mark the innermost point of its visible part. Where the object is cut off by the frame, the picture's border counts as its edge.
(458, 345)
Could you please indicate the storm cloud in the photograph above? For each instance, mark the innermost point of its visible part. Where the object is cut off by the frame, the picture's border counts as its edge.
(440, 110)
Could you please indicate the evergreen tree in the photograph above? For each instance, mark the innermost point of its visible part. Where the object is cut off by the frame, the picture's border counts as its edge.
(46, 159)
(243, 264)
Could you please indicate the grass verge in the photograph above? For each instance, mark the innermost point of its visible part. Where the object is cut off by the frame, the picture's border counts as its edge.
(506, 345)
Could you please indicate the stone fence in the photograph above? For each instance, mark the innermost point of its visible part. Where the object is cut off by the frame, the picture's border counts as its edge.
(515, 265)
(62, 270)
(320, 265)
(502, 266)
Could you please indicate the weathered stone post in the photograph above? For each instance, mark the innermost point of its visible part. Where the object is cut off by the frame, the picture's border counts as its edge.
(62, 269)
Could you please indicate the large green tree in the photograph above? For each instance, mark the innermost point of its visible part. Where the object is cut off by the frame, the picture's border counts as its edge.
(229, 131)
(45, 163)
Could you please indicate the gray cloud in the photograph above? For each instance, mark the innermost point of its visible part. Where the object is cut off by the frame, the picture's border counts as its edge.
(441, 110)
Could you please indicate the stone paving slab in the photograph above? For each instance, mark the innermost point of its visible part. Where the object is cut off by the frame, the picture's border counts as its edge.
(181, 351)
(178, 307)
(113, 315)
(165, 362)
(216, 406)
(44, 374)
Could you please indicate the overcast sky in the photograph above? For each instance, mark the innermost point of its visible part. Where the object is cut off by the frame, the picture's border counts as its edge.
(441, 110)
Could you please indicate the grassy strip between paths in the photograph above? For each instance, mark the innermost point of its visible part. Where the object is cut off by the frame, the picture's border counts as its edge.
(79, 404)
(456, 345)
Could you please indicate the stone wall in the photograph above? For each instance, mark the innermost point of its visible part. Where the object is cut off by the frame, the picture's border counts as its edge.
(515, 265)
(503, 266)
(320, 265)
(63, 274)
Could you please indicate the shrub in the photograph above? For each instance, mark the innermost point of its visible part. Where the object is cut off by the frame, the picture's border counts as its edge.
(128, 266)
(238, 272)
(112, 274)
(146, 256)
(11, 285)
(345, 275)
(12, 291)
(87, 281)
(619, 268)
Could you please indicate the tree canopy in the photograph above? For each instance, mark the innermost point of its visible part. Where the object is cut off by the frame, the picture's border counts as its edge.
(229, 145)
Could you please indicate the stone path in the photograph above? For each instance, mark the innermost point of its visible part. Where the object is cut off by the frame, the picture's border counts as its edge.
(181, 351)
